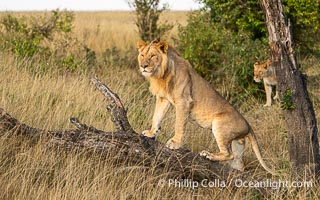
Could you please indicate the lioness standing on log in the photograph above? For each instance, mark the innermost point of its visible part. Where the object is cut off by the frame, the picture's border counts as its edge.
(174, 81)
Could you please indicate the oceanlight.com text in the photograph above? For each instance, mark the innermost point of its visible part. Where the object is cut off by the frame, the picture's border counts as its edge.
(217, 183)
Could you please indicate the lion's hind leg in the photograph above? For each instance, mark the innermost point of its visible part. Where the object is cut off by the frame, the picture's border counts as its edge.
(231, 148)
(223, 142)
(234, 160)
(224, 154)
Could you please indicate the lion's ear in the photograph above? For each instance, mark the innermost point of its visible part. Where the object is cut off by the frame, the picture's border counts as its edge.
(163, 46)
(141, 44)
(269, 63)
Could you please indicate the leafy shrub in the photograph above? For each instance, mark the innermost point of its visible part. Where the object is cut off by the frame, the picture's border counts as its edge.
(305, 17)
(220, 55)
(25, 37)
(223, 40)
(44, 39)
(248, 16)
(237, 15)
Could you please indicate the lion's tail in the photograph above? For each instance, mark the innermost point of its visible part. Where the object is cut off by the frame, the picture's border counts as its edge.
(256, 150)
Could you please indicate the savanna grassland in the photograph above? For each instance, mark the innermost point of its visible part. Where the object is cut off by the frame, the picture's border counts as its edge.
(48, 100)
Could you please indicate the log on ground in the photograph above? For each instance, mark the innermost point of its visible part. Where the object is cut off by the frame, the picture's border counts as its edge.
(124, 143)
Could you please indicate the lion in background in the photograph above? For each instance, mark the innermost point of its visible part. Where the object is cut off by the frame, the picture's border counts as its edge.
(266, 72)
(174, 82)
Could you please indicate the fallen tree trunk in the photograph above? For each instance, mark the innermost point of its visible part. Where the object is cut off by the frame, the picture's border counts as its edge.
(124, 143)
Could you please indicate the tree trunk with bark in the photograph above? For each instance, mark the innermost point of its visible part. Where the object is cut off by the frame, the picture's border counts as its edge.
(295, 102)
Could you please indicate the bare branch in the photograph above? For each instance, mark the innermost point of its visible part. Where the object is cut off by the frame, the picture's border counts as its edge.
(116, 109)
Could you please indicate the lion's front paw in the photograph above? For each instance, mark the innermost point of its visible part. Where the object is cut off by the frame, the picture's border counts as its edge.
(148, 133)
(172, 144)
(205, 154)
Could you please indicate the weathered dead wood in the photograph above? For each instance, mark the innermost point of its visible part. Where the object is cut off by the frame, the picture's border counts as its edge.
(116, 109)
(124, 143)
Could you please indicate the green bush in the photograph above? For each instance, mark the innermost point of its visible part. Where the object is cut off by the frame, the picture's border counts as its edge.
(237, 15)
(25, 37)
(223, 40)
(221, 55)
(46, 41)
(305, 18)
(248, 16)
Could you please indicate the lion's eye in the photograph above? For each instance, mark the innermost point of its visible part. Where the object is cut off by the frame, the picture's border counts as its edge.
(142, 55)
(152, 56)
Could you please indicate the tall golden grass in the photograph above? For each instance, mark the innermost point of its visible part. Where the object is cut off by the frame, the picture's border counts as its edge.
(37, 171)
(101, 30)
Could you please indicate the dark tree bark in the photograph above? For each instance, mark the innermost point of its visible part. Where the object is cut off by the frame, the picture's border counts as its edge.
(124, 144)
(295, 102)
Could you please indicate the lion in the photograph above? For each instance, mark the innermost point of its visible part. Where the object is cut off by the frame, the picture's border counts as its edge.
(265, 70)
(174, 82)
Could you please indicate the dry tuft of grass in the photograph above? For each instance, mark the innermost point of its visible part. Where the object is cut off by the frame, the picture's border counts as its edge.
(38, 171)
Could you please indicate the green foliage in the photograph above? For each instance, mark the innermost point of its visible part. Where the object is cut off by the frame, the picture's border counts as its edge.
(237, 15)
(62, 21)
(202, 50)
(148, 13)
(248, 16)
(286, 102)
(25, 37)
(24, 47)
(17, 37)
(220, 55)
(44, 39)
(70, 63)
(305, 17)
(223, 40)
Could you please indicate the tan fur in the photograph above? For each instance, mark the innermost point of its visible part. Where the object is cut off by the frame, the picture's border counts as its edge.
(174, 81)
(266, 71)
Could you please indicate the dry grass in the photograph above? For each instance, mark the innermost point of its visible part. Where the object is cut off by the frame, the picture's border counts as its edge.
(109, 29)
(101, 30)
(36, 171)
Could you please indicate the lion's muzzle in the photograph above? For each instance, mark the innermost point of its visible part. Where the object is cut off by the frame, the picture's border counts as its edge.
(144, 65)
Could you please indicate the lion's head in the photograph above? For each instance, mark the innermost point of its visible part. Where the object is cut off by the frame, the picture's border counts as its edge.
(261, 70)
(152, 58)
